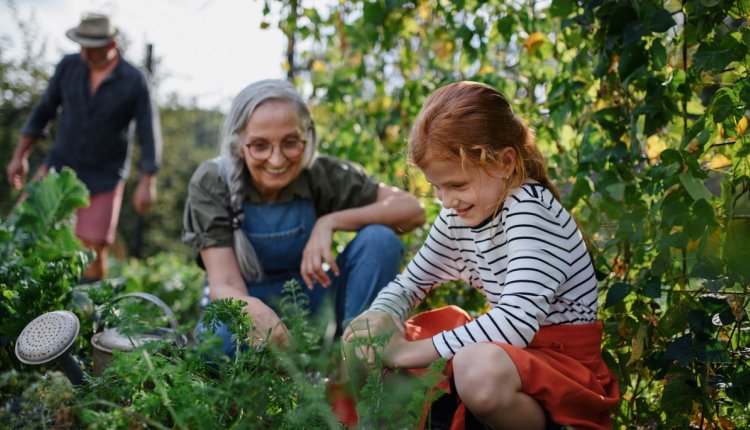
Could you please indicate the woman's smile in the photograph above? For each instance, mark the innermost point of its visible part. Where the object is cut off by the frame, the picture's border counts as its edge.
(273, 127)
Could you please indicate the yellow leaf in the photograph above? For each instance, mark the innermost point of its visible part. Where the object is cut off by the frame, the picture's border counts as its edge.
(319, 66)
(386, 102)
(737, 305)
(639, 343)
(424, 10)
(625, 138)
(719, 161)
(487, 68)
(654, 146)
(613, 63)
(693, 146)
(442, 48)
(264, 25)
(533, 41)
(741, 126)
(392, 131)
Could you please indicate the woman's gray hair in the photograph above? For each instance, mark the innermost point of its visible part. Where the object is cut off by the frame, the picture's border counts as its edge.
(237, 175)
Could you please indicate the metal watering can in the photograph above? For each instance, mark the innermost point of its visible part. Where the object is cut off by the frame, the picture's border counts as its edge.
(50, 337)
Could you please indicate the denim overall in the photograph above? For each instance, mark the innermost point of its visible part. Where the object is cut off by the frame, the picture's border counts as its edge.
(279, 233)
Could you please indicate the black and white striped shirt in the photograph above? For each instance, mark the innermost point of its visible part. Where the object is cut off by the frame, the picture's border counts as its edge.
(530, 262)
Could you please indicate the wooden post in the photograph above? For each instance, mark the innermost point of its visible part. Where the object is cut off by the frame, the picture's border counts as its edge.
(140, 221)
(291, 35)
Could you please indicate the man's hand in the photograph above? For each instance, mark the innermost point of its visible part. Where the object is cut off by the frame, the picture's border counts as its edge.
(145, 194)
(17, 171)
(317, 251)
(18, 167)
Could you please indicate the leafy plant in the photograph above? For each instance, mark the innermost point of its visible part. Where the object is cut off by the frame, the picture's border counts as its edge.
(40, 259)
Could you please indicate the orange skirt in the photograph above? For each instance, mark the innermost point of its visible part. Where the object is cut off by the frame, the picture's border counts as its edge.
(561, 368)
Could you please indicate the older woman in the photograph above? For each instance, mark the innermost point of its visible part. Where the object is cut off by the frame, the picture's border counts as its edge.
(266, 209)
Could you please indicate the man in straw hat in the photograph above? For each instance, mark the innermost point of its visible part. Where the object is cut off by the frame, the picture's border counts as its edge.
(101, 95)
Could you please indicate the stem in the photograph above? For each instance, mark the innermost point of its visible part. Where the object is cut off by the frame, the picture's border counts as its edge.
(685, 68)
(162, 392)
(141, 418)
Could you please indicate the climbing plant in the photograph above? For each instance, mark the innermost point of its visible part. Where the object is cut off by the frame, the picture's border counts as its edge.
(640, 108)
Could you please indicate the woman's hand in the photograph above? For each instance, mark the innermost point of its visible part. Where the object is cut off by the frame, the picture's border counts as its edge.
(317, 251)
(267, 326)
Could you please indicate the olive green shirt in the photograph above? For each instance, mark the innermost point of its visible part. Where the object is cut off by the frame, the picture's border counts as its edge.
(332, 184)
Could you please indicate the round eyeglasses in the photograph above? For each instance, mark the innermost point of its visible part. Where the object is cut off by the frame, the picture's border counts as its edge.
(290, 148)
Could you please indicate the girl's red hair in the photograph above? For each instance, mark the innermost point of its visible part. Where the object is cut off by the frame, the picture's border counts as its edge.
(472, 122)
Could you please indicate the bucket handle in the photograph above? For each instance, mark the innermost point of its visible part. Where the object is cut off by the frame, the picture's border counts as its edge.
(180, 340)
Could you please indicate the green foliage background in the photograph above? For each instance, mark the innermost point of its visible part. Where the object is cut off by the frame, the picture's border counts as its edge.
(641, 109)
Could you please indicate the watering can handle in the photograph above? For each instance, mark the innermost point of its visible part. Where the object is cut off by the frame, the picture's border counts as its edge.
(181, 341)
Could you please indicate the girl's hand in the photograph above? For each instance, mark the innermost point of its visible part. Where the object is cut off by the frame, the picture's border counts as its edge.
(267, 326)
(371, 324)
(317, 251)
(367, 326)
(398, 351)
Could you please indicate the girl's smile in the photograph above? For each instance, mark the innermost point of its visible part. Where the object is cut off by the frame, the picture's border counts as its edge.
(473, 194)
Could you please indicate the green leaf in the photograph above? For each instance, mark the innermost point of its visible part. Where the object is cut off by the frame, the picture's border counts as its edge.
(658, 55)
(631, 59)
(707, 267)
(723, 104)
(562, 8)
(581, 188)
(617, 292)
(740, 389)
(674, 240)
(652, 288)
(681, 350)
(703, 211)
(694, 186)
(736, 248)
(51, 200)
(698, 322)
(671, 156)
(661, 21)
(634, 31)
(506, 26)
(716, 56)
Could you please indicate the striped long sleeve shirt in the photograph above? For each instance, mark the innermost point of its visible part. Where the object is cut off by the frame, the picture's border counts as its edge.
(529, 261)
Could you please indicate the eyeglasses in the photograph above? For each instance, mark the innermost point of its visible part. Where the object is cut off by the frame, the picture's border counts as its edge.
(290, 148)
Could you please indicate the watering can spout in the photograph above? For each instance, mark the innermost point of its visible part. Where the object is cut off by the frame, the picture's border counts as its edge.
(49, 338)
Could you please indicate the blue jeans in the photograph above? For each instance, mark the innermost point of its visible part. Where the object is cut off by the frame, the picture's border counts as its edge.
(369, 262)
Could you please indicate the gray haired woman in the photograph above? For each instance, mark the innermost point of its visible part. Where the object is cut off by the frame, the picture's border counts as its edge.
(266, 209)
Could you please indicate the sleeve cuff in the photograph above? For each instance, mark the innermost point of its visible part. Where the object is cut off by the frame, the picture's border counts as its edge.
(201, 241)
(440, 346)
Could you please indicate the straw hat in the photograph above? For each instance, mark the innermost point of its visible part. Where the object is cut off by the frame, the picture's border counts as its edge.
(94, 31)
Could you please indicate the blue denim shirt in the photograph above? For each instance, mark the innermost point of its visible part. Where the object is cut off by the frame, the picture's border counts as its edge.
(94, 131)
